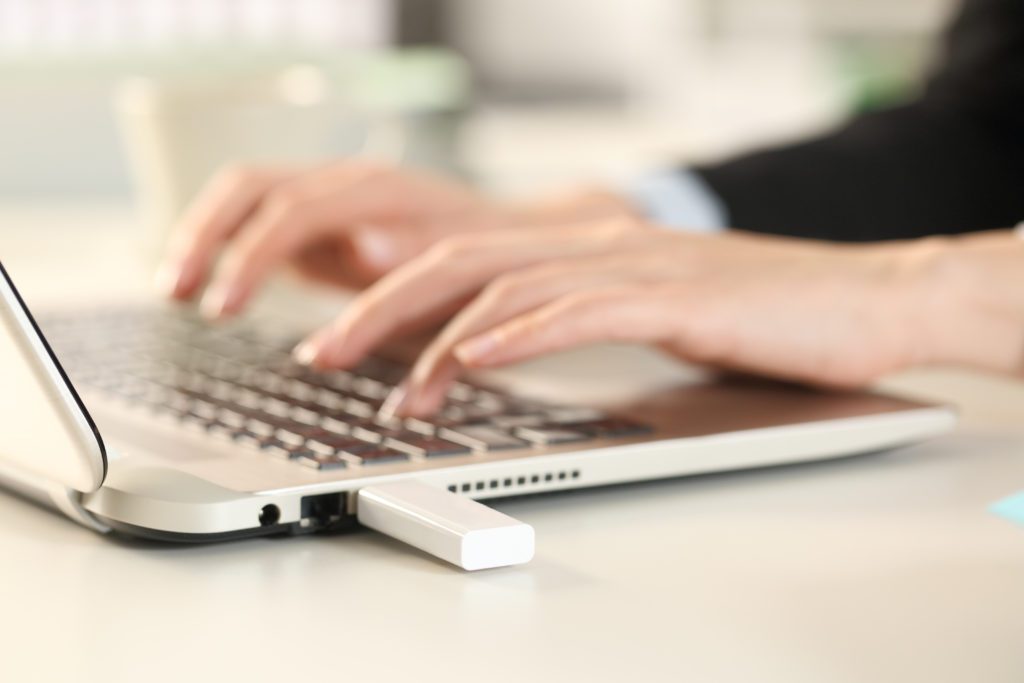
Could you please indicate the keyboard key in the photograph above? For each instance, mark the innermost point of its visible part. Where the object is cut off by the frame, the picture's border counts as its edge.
(381, 370)
(573, 415)
(306, 416)
(334, 443)
(419, 426)
(260, 428)
(299, 390)
(248, 398)
(216, 389)
(277, 407)
(321, 448)
(549, 436)
(322, 462)
(204, 409)
(482, 437)
(479, 413)
(330, 424)
(379, 455)
(389, 423)
(290, 438)
(296, 430)
(367, 434)
(232, 417)
(370, 389)
(491, 402)
(512, 421)
(461, 392)
(454, 413)
(428, 446)
(611, 427)
(358, 408)
(339, 380)
(329, 401)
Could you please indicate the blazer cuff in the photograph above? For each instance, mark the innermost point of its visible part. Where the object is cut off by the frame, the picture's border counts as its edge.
(678, 199)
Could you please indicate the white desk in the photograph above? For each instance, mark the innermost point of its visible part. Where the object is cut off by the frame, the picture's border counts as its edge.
(883, 568)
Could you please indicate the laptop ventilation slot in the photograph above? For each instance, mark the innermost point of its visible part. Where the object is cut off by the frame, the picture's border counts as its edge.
(533, 481)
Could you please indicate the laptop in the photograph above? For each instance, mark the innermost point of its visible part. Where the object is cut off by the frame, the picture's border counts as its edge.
(151, 423)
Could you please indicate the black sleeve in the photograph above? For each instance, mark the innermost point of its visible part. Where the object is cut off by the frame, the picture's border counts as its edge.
(952, 161)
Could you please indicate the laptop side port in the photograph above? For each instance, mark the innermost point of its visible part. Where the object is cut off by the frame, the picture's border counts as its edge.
(324, 512)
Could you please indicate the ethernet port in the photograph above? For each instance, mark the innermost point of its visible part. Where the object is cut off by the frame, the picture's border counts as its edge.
(325, 512)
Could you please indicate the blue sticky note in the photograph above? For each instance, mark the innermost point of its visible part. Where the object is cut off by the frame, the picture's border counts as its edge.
(1012, 508)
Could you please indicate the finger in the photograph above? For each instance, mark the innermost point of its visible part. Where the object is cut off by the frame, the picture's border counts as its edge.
(426, 400)
(291, 217)
(453, 270)
(506, 298)
(634, 313)
(219, 211)
(305, 351)
(276, 231)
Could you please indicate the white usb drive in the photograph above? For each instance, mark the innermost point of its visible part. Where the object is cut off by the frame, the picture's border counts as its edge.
(451, 527)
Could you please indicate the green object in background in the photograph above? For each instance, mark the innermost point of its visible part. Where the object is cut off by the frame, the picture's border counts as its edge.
(411, 79)
(383, 79)
(879, 72)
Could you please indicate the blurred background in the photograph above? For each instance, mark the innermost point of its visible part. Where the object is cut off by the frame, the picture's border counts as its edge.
(121, 100)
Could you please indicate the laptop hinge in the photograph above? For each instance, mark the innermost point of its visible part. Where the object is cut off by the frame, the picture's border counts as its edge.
(69, 502)
(53, 495)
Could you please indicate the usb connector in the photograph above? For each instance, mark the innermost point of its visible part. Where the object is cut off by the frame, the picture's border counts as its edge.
(456, 529)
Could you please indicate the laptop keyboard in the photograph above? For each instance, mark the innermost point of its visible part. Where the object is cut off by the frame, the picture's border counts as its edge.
(232, 384)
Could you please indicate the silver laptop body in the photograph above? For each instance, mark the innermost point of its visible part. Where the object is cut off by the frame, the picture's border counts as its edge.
(151, 424)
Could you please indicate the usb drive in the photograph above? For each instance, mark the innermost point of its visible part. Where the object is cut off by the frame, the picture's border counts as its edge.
(456, 529)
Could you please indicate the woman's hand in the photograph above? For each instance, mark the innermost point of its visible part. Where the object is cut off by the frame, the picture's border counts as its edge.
(798, 310)
(346, 223)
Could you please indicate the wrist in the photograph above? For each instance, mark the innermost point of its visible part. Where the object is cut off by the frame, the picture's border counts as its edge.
(970, 299)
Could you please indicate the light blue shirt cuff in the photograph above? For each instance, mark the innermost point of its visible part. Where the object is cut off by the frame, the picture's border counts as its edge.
(679, 199)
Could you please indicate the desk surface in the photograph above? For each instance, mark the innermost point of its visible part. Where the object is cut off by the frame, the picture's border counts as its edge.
(880, 568)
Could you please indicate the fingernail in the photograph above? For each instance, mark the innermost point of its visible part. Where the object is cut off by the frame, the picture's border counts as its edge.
(476, 349)
(323, 349)
(306, 352)
(220, 301)
(166, 279)
(174, 279)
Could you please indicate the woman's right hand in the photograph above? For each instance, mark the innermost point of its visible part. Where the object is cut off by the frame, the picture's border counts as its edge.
(346, 223)
(836, 315)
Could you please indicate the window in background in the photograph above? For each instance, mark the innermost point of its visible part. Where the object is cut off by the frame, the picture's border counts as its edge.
(60, 59)
(32, 29)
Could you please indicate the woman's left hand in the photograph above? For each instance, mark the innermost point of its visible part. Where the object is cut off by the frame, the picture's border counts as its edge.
(834, 315)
